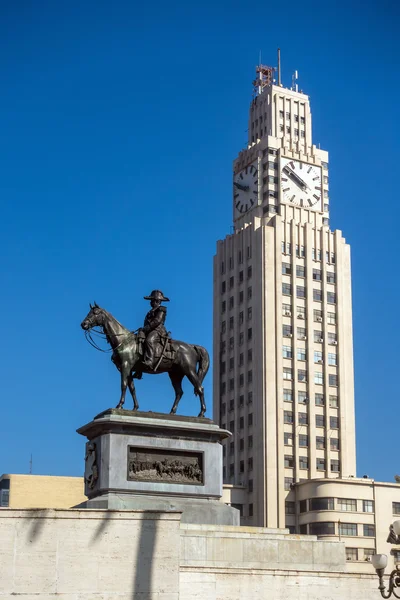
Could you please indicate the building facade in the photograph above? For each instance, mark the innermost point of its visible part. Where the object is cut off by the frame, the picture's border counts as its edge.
(283, 348)
(40, 491)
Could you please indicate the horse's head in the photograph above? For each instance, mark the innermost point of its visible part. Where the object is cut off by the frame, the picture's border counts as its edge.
(94, 318)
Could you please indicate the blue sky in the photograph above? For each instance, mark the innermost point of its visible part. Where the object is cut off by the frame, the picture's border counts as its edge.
(119, 123)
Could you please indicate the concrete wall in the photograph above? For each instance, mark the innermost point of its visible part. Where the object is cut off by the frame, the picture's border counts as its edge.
(143, 555)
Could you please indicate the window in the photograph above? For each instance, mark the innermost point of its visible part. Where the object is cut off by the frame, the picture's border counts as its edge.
(250, 441)
(303, 440)
(288, 438)
(240, 276)
(332, 339)
(303, 506)
(286, 268)
(396, 508)
(249, 293)
(317, 356)
(318, 316)
(301, 354)
(241, 400)
(335, 444)
(368, 506)
(368, 530)
(320, 464)
(223, 408)
(316, 274)
(333, 402)
(368, 552)
(331, 318)
(287, 373)
(331, 298)
(288, 129)
(241, 380)
(222, 367)
(319, 420)
(249, 313)
(272, 165)
(223, 326)
(250, 485)
(335, 466)
(5, 496)
(289, 461)
(303, 462)
(287, 352)
(334, 422)
(320, 442)
(223, 287)
(250, 419)
(241, 466)
(346, 504)
(301, 312)
(301, 375)
(287, 395)
(231, 322)
(287, 330)
(288, 483)
(303, 418)
(241, 296)
(249, 376)
(301, 333)
(290, 508)
(321, 503)
(231, 343)
(231, 302)
(332, 359)
(300, 291)
(302, 397)
(232, 448)
(250, 463)
(319, 378)
(271, 150)
(333, 379)
(348, 529)
(317, 335)
(232, 426)
(249, 397)
(231, 470)
(351, 553)
(317, 295)
(232, 363)
(287, 416)
(286, 310)
(241, 338)
(231, 385)
(222, 388)
(249, 334)
(331, 277)
(241, 317)
(327, 528)
(319, 400)
(231, 282)
(223, 306)
(222, 268)
(300, 271)
(286, 289)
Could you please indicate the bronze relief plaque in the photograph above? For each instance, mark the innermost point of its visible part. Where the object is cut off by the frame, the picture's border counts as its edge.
(165, 466)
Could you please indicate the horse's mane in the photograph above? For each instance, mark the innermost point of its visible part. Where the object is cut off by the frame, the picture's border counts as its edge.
(114, 319)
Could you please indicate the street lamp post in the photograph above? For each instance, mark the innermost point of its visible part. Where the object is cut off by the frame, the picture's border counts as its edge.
(379, 562)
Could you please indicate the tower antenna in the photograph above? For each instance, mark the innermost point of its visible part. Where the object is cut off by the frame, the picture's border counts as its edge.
(279, 67)
(30, 465)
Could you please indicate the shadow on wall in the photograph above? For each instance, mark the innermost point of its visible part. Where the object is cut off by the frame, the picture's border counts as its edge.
(37, 523)
(142, 582)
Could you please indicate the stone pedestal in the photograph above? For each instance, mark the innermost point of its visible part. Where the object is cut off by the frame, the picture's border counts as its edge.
(153, 461)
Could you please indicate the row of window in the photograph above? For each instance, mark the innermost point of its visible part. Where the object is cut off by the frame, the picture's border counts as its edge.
(241, 445)
(249, 316)
(321, 466)
(231, 262)
(287, 352)
(302, 293)
(231, 382)
(288, 418)
(232, 424)
(301, 272)
(232, 361)
(288, 116)
(231, 302)
(342, 529)
(301, 253)
(320, 442)
(333, 378)
(250, 465)
(231, 281)
(302, 397)
(343, 504)
(287, 331)
(304, 463)
(301, 313)
(232, 403)
(295, 131)
(241, 340)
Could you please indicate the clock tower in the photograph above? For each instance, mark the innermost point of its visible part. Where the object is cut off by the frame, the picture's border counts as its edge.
(283, 349)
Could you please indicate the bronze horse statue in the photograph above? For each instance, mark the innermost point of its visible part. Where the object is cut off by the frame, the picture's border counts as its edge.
(189, 359)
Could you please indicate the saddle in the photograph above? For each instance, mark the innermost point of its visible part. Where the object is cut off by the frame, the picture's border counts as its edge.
(169, 351)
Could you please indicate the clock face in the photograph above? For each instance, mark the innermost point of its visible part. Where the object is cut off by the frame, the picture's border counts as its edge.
(301, 183)
(245, 189)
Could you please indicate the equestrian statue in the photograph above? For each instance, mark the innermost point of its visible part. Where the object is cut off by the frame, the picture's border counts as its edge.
(150, 350)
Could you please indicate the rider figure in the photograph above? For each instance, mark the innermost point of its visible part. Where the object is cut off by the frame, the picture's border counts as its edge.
(153, 327)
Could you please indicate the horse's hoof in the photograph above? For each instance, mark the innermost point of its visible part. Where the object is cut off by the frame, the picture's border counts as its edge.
(201, 414)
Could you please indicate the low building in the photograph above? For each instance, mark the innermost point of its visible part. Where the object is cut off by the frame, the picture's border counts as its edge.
(40, 491)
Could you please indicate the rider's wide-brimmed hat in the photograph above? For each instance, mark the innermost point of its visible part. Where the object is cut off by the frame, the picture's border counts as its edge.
(157, 295)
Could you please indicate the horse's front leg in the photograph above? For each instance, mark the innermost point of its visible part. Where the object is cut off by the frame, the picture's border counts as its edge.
(124, 383)
(133, 391)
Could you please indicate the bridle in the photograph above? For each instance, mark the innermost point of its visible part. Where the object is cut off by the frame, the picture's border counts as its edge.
(101, 334)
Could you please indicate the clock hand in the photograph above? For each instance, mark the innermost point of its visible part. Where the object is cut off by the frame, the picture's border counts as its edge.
(296, 178)
(244, 188)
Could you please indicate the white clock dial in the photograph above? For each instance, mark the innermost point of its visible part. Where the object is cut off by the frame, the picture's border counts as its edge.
(245, 189)
(301, 183)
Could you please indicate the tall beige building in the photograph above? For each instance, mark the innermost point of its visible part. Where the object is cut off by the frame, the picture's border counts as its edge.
(283, 347)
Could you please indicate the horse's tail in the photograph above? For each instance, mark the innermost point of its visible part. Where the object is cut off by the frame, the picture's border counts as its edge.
(204, 362)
